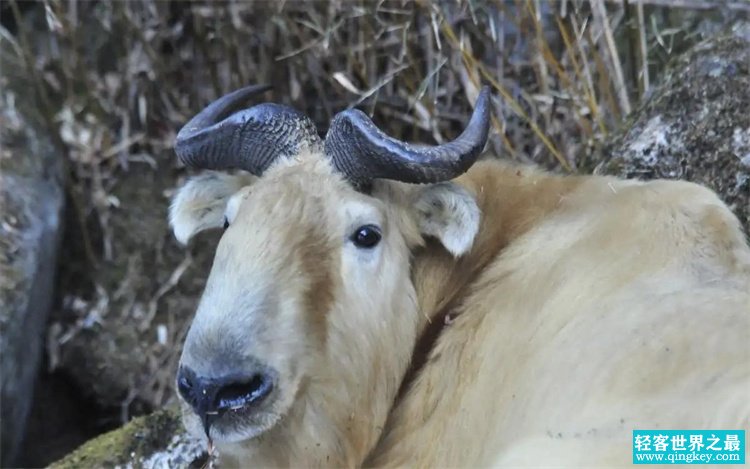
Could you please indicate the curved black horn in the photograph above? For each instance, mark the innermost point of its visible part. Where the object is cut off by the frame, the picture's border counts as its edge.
(250, 139)
(363, 152)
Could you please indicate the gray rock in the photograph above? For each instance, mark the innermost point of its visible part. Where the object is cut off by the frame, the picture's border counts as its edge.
(695, 125)
(31, 197)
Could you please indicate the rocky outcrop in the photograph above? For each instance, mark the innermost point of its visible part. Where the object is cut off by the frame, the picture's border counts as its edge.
(695, 125)
(31, 204)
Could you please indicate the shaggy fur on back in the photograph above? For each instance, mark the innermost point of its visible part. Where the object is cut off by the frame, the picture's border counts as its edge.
(588, 307)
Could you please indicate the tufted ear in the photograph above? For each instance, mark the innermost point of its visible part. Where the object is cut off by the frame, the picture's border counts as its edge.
(448, 212)
(201, 203)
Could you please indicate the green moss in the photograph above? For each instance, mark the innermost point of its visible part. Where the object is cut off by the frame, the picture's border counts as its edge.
(135, 441)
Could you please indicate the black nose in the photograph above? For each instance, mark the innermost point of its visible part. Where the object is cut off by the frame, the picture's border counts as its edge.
(211, 397)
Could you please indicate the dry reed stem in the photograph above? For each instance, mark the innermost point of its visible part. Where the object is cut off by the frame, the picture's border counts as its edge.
(600, 14)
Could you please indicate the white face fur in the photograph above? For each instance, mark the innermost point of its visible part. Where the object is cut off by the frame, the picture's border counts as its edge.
(311, 284)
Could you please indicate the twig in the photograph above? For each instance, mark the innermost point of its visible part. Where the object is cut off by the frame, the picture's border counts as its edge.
(582, 75)
(645, 82)
(600, 13)
(163, 289)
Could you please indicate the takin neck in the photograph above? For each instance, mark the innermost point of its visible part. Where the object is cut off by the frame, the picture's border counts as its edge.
(512, 199)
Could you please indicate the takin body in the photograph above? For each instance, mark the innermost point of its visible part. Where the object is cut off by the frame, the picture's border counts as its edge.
(587, 307)
(581, 308)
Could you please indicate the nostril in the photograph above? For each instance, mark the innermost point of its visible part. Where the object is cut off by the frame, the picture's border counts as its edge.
(184, 384)
(240, 394)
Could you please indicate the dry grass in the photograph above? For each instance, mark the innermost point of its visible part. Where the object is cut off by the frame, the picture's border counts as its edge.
(116, 80)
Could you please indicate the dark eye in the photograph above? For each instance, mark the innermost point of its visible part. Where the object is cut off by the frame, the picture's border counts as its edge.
(226, 223)
(366, 236)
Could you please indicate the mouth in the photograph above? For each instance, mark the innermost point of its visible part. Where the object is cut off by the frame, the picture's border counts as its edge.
(231, 407)
(231, 425)
(235, 400)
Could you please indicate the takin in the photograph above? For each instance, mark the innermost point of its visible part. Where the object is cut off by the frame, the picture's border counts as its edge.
(375, 303)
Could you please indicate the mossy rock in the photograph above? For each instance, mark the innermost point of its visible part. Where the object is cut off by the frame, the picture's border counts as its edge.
(157, 440)
(694, 126)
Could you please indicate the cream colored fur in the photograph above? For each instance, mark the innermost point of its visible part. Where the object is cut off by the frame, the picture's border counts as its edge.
(202, 202)
(287, 250)
(586, 307)
(622, 306)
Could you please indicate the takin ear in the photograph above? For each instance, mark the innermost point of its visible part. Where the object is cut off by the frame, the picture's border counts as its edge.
(448, 212)
(201, 203)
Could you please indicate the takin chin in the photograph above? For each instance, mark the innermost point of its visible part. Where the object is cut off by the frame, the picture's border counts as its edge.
(581, 307)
